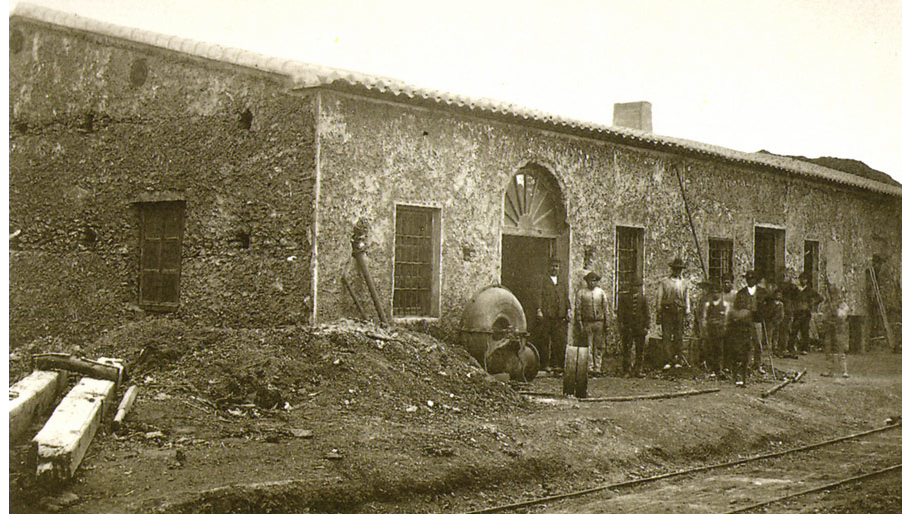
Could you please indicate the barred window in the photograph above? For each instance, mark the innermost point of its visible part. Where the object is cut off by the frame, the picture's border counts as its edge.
(630, 255)
(810, 264)
(720, 260)
(417, 237)
(162, 224)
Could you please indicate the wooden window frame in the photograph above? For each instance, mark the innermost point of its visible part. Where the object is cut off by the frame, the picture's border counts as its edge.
(815, 261)
(151, 251)
(639, 259)
(426, 259)
(718, 245)
(778, 264)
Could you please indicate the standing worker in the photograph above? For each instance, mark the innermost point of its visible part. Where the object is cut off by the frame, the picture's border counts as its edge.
(554, 316)
(741, 328)
(592, 319)
(790, 293)
(632, 321)
(672, 309)
(835, 313)
(806, 300)
(713, 325)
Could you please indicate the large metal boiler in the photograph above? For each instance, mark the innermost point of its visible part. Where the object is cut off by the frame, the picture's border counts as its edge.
(493, 331)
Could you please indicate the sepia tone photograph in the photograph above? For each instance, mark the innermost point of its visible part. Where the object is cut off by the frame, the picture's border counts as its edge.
(397, 256)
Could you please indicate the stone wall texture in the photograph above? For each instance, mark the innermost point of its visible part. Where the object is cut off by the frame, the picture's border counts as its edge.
(375, 154)
(97, 124)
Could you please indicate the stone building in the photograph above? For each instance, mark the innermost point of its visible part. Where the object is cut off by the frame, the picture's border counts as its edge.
(154, 175)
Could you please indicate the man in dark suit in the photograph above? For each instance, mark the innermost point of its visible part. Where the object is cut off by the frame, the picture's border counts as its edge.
(554, 317)
(633, 319)
(741, 319)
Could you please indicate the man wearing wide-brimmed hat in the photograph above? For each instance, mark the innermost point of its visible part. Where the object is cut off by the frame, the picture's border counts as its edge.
(672, 309)
(592, 319)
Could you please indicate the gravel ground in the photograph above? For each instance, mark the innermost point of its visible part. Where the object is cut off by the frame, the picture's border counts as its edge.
(355, 417)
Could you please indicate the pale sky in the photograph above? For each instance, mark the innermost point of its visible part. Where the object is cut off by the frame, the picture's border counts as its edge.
(797, 77)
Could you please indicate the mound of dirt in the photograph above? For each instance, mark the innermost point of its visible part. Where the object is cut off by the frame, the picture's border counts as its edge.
(375, 370)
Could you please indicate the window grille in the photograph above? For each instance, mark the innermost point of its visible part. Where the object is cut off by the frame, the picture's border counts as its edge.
(720, 261)
(630, 253)
(416, 256)
(810, 265)
(162, 224)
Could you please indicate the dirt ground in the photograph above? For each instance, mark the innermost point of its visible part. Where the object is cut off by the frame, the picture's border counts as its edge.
(356, 417)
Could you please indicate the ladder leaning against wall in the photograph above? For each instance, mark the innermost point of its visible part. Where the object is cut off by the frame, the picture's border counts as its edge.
(886, 326)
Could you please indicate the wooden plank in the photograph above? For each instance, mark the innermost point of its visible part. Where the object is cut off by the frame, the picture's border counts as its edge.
(124, 406)
(95, 369)
(62, 443)
(882, 309)
(776, 388)
(31, 396)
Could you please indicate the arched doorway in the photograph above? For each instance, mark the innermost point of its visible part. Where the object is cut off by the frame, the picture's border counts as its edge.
(534, 232)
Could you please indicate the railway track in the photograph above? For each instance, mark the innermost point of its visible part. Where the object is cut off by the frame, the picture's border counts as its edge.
(742, 485)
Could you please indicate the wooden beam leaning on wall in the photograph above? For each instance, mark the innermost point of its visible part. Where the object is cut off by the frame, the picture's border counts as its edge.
(880, 307)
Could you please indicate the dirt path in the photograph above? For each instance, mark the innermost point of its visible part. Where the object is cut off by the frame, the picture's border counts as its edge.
(405, 423)
(731, 489)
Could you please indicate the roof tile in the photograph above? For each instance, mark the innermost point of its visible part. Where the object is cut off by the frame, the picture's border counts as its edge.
(304, 75)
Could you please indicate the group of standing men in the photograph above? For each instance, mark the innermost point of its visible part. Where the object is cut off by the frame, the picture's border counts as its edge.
(733, 327)
(591, 320)
(736, 327)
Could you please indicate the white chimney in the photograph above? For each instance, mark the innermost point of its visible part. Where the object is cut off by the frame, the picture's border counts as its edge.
(634, 115)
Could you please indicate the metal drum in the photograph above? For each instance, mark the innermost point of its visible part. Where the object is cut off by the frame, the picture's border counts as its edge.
(576, 371)
(493, 331)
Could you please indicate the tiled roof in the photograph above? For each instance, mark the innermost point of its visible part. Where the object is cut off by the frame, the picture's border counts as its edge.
(303, 75)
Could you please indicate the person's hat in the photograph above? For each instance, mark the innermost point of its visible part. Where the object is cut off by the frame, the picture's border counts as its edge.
(677, 263)
(555, 260)
(591, 277)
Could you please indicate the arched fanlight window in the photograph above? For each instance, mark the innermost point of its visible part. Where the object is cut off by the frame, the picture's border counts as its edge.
(532, 204)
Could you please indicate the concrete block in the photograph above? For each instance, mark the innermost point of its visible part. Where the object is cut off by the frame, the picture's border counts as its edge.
(32, 396)
(62, 443)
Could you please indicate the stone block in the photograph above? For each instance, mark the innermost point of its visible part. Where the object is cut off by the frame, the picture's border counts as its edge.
(62, 443)
(32, 396)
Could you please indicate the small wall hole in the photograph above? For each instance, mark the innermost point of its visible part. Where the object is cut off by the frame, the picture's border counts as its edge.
(242, 240)
(246, 119)
(87, 124)
(138, 73)
(88, 238)
(16, 41)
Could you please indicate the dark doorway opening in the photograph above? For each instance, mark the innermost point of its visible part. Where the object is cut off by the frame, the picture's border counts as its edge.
(770, 252)
(524, 261)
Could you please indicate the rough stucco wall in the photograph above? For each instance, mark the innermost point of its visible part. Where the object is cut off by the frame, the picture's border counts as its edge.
(177, 134)
(375, 154)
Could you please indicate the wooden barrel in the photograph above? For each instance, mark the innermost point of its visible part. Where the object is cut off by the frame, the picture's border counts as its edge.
(576, 371)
